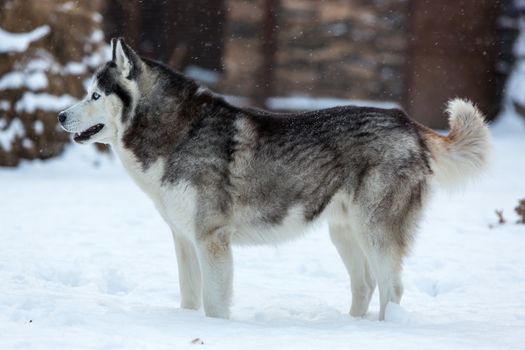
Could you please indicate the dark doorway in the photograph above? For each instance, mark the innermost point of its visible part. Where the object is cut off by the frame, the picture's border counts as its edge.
(452, 53)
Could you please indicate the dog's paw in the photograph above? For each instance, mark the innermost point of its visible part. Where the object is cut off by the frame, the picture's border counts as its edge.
(396, 313)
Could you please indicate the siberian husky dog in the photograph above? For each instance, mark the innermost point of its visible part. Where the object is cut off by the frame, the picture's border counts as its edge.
(222, 175)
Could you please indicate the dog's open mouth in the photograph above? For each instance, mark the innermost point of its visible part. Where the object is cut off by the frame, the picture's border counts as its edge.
(85, 135)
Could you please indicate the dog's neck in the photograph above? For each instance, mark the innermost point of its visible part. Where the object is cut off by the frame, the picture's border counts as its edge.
(164, 116)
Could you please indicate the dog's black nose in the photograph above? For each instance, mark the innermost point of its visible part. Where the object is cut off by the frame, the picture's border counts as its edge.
(62, 117)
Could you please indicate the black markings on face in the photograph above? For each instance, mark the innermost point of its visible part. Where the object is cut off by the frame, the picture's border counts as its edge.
(107, 80)
(125, 97)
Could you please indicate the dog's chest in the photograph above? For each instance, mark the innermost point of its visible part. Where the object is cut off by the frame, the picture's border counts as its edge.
(149, 179)
(175, 202)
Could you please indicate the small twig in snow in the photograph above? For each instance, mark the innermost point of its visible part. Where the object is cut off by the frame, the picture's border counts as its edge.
(501, 219)
(197, 341)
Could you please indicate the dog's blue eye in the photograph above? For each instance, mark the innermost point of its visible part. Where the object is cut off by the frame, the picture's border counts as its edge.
(95, 96)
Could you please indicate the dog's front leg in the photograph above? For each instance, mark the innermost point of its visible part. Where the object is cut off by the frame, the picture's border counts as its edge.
(215, 257)
(189, 273)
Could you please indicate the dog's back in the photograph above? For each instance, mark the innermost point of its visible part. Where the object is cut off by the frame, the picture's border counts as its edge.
(305, 159)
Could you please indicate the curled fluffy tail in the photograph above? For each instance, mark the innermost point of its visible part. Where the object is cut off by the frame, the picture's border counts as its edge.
(464, 152)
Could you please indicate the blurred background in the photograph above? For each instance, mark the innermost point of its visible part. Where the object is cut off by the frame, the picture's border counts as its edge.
(275, 54)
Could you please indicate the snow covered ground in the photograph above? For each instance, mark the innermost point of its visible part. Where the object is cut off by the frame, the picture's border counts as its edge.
(86, 263)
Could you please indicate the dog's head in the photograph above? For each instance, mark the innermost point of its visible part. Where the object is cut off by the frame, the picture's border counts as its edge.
(105, 109)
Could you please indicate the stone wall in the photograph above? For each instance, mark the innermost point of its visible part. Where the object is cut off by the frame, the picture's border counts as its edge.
(338, 48)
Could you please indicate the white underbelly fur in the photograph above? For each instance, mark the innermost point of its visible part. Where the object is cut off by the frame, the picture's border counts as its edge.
(249, 230)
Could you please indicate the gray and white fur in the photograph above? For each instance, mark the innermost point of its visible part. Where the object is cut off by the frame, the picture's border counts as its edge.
(221, 175)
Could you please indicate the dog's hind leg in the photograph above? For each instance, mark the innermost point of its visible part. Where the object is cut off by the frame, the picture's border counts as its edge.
(216, 262)
(387, 233)
(362, 281)
(189, 273)
(385, 259)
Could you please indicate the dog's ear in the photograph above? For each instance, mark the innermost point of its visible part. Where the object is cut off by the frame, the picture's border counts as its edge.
(127, 61)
